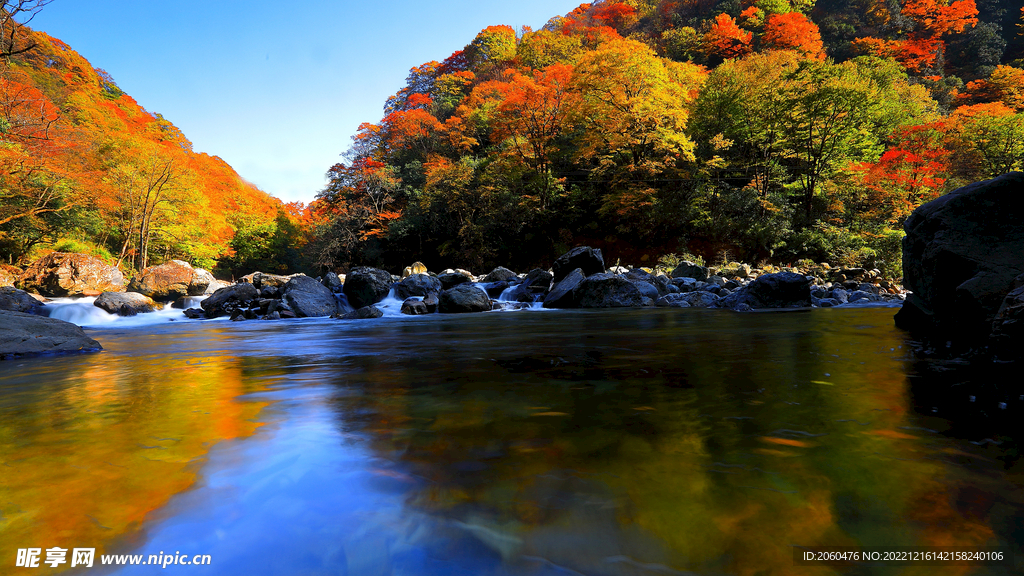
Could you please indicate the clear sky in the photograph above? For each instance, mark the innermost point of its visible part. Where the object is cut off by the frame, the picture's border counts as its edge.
(276, 89)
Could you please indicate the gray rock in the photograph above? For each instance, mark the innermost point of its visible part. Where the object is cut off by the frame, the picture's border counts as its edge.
(685, 284)
(417, 285)
(431, 302)
(690, 270)
(126, 303)
(14, 300)
(499, 274)
(414, 307)
(563, 294)
(364, 313)
(780, 290)
(677, 300)
(262, 279)
(194, 313)
(365, 286)
(588, 260)
(859, 295)
(332, 282)
(606, 290)
(538, 280)
(961, 254)
(701, 299)
(309, 298)
(450, 280)
(828, 302)
(464, 298)
(224, 301)
(24, 334)
(201, 281)
(716, 280)
(647, 290)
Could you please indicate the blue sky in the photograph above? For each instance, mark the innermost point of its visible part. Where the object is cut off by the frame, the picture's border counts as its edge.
(276, 89)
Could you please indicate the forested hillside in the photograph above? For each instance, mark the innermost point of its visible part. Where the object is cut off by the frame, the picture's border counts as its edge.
(775, 130)
(84, 168)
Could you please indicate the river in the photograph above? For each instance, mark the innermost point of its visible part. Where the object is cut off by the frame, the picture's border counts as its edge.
(653, 441)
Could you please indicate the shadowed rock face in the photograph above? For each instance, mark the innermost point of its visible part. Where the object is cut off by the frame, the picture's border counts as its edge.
(309, 298)
(961, 255)
(780, 290)
(65, 274)
(587, 259)
(28, 335)
(365, 286)
(608, 291)
(464, 298)
(16, 300)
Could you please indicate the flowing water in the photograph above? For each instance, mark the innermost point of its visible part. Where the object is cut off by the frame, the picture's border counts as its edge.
(654, 441)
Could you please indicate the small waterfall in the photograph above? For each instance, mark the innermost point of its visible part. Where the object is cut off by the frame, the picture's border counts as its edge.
(83, 312)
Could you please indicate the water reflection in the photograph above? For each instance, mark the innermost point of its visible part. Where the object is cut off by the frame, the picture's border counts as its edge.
(644, 442)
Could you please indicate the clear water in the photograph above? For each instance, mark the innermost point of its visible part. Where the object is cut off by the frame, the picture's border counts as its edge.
(568, 442)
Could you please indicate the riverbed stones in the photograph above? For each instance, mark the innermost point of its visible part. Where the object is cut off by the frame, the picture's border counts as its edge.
(647, 290)
(588, 260)
(125, 303)
(563, 294)
(167, 281)
(779, 290)
(14, 300)
(417, 285)
(229, 298)
(675, 300)
(463, 298)
(365, 286)
(495, 289)
(24, 334)
(67, 274)
(607, 290)
(687, 269)
(308, 298)
(961, 254)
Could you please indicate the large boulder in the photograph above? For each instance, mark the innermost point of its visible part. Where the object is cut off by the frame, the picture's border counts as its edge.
(538, 280)
(464, 298)
(201, 282)
(66, 274)
(607, 290)
(167, 281)
(417, 285)
(27, 334)
(961, 254)
(230, 298)
(450, 280)
(587, 259)
(780, 290)
(563, 294)
(364, 313)
(687, 269)
(414, 307)
(1008, 326)
(333, 282)
(309, 298)
(647, 289)
(14, 300)
(500, 274)
(365, 286)
(126, 303)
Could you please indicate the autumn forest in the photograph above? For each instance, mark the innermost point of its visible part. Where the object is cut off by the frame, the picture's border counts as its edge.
(775, 130)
